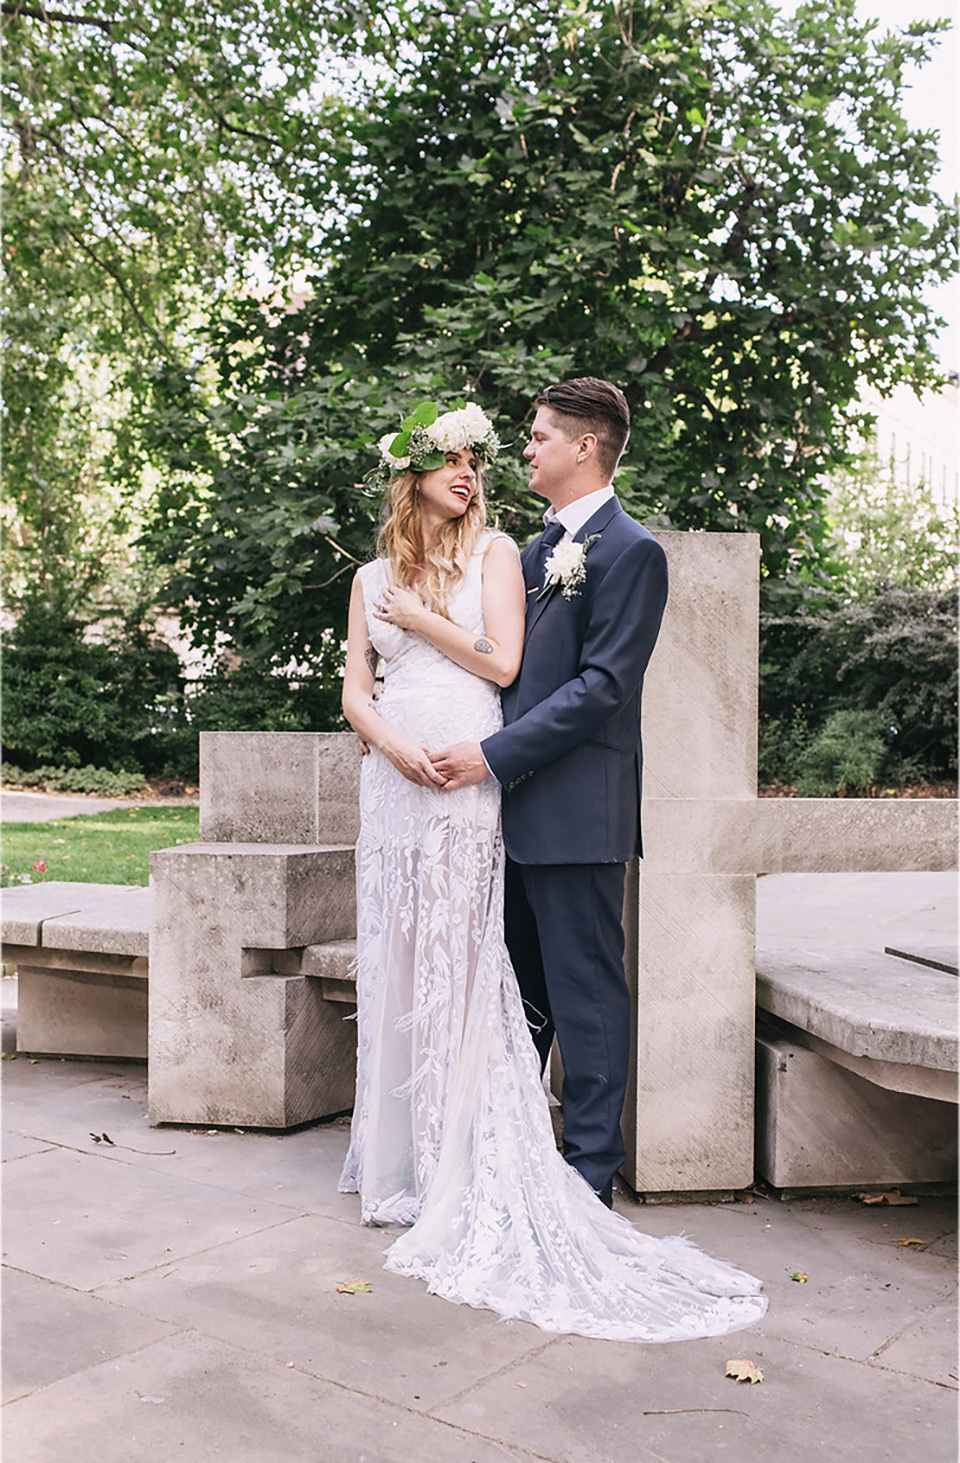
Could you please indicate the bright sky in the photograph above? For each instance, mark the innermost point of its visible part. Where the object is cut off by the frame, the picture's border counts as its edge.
(933, 101)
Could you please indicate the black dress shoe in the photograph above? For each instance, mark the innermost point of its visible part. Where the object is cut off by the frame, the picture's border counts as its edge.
(605, 1195)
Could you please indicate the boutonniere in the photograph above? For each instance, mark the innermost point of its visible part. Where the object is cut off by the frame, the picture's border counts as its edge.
(567, 567)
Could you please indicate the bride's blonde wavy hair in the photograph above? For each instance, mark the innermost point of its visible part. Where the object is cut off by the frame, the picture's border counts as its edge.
(400, 540)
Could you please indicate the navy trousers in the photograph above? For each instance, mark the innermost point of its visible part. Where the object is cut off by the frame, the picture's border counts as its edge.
(564, 932)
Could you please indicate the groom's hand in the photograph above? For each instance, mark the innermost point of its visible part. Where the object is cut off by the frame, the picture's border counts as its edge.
(460, 764)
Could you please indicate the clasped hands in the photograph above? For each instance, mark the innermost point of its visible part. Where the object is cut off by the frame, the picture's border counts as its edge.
(456, 766)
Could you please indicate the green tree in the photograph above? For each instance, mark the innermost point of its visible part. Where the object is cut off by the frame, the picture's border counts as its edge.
(719, 207)
(153, 155)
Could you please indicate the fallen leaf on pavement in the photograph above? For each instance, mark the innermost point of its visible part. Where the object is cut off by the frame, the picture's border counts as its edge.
(890, 1196)
(744, 1371)
(919, 1242)
(800, 1276)
(354, 1287)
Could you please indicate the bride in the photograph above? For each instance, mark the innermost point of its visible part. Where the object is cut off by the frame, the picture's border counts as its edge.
(451, 1133)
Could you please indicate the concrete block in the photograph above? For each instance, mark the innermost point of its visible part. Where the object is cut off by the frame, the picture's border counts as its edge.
(688, 1120)
(231, 1042)
(841, 835)
(281, 896)
(700, 692)
(279, 787)
(750, 835)
(82, 1014)
(868, 1004)
(820, 1126)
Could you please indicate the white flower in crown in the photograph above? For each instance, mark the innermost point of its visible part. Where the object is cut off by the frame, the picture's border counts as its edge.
(567, 567)
(457, 430)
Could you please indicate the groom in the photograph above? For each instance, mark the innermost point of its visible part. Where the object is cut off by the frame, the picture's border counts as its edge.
(569, 759)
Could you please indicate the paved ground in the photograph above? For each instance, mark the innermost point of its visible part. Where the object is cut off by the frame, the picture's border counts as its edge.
(174, 1294)
(43, 807)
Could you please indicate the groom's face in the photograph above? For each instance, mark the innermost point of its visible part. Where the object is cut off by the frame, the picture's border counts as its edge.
(551, 453)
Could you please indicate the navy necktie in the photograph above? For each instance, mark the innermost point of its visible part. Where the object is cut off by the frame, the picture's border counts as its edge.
(552, 535)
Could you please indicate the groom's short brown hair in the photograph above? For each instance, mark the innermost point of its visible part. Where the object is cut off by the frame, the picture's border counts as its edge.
(593, 406)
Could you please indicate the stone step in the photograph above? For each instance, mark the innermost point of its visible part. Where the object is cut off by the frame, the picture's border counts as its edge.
(334, 966)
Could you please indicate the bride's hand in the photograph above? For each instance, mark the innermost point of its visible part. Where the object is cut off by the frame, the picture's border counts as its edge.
(401, 607)
(413, 761)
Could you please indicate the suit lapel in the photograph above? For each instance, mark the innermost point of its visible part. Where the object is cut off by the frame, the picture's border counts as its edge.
(536, 604)
(600, 519)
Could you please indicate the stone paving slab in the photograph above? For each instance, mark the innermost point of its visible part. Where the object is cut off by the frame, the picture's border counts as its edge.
(674, 1403)
(862, 1287)
(83, 1219)
(926, 1348)
(52, 1331)
(277, 1294)
(63, 1100)
(16, 1146)
(201, 1400)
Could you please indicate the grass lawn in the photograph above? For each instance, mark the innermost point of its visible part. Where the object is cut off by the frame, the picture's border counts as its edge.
(95, 848)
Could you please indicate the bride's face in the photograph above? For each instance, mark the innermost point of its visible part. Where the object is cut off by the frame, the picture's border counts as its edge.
(447, 491)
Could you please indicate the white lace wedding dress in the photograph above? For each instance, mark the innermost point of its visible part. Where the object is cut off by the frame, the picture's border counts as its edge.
(452, 1132)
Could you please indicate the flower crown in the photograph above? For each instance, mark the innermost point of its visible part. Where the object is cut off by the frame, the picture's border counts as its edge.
(425, 437)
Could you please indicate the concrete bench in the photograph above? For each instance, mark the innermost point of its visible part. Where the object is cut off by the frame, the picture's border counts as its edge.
(857, 1067)
(857, 1049)
(81, 953)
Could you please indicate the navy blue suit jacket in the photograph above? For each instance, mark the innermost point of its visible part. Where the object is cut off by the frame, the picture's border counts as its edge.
(569, 757)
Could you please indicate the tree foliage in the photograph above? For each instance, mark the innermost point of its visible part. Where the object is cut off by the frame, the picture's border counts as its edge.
(152, 155)
(719, 207)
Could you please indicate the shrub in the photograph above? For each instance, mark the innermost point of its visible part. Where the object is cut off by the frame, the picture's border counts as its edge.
(75, 779)
(891, 653)
(69, 703)
(847, 755)
(781, 743)
(121, 707)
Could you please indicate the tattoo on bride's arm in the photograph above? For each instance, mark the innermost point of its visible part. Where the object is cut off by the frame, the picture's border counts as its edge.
(484, 646)
(372, 658)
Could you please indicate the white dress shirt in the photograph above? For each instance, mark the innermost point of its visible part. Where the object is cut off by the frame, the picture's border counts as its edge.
(579, 512)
